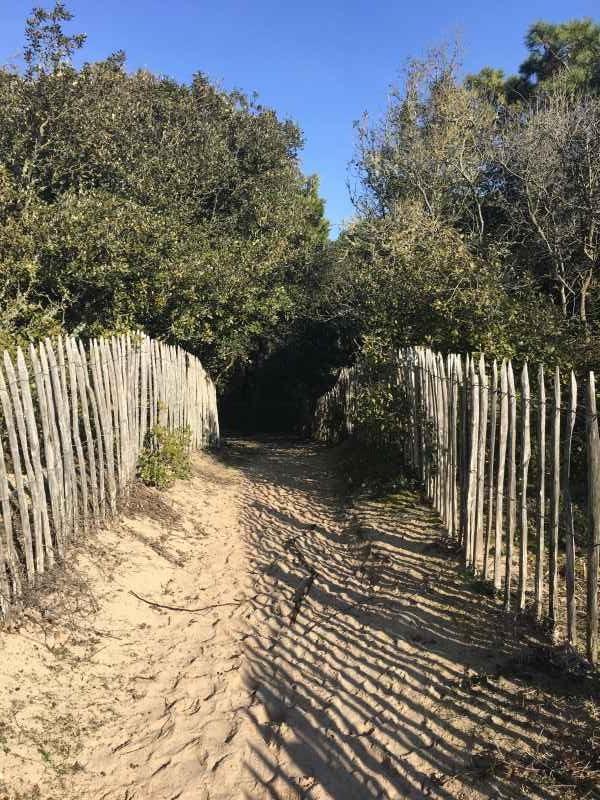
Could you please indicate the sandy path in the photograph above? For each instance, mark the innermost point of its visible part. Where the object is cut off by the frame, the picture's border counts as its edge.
(119, 699)
(381, 671)
(344, 659)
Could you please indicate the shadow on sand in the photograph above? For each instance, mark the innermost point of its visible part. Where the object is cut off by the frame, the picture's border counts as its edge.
(380, 672)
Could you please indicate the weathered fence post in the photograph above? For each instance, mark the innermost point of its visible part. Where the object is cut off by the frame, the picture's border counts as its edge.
(500, 476)
(512, 485)
(491, 473)
(464, 451)
(593, 552)
(469, 555)
(525, 457)
(478, 557)
(541, 505)
(554, 505)
(567, 509)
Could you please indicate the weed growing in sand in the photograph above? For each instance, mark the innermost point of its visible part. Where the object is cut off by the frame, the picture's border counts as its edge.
(165, 457)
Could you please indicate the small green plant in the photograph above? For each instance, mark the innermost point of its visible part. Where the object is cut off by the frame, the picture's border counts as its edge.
(165, 457)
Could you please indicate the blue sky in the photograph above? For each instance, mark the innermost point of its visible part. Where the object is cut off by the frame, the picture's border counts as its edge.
(320, 63)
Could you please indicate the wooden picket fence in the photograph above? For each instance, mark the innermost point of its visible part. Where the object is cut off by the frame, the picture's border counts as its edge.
(496, 460)
(73, 420)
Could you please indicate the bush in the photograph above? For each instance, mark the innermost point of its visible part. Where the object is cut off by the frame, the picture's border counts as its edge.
(379, 417)
(409, 279)
(165, 457)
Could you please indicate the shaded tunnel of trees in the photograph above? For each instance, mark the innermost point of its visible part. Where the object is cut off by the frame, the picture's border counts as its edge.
(278, 391)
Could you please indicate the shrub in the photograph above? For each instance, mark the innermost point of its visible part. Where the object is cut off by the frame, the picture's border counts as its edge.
(165, 457)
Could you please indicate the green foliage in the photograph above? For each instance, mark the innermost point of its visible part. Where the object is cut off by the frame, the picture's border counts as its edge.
(568, 50)
(130, 200)
(165, 457)
(380, 408)
(565, 55)
(489, 83)
(47, 46)
(410, 279)
(380, 417)
(478, 224)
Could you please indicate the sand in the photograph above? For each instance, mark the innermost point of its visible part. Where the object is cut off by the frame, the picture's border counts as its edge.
(328, 650)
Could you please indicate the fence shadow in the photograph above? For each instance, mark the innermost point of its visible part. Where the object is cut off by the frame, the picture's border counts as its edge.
(379, 671)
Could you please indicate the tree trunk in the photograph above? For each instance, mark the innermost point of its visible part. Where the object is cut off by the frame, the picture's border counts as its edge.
(563, 300)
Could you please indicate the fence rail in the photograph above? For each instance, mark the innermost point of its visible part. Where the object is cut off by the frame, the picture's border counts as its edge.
(496, 458)
(73, 420)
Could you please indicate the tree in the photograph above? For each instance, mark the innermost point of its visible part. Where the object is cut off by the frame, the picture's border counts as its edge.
(475, 217)
(146, 203)
(550, 152)
(519, 181)
(489, 83)
(565, 55)
(569, 52)
(47, 46)
(411, 279)
(433, 147)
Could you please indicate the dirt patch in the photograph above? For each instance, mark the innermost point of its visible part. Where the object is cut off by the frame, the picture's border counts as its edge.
(145, 501)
